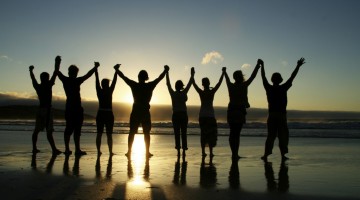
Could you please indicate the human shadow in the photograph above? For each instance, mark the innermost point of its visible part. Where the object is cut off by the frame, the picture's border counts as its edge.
(50, 164)
(33, 161)
(282, 184)
(234, 175)
(180, 171)
(208, 174)
(76, 167)
(98, 174)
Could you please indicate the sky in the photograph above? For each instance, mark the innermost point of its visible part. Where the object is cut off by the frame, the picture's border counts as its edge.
(207, 35)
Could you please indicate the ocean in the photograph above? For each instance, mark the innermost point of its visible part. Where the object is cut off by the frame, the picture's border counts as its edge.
(310, 129)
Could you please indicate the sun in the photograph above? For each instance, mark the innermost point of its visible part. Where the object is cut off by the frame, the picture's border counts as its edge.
(127, 98)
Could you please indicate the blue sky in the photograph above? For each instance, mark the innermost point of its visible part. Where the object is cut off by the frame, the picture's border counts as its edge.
(149, 34)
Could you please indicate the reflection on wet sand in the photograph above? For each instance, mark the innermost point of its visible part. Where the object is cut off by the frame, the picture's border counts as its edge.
(282, 185)
(208, 173)
(234, 175)
(98, 174)
(180, 171)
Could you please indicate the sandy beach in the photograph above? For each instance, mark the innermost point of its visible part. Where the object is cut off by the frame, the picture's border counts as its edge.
(319, 168)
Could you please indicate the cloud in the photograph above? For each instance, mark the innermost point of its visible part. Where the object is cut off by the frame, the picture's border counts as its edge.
(5, 57)
(245, 66)
(284, 63)
(212, 57)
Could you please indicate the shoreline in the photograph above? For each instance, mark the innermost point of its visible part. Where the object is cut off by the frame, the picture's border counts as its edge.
(318, 169)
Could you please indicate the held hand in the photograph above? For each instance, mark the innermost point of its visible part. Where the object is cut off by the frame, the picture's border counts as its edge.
(166, 68)
(58, 59)
(260, 62)
(31, 68)
(96, 64)
(117, 66)
(224, 69)
(192, 71)
(301, 62)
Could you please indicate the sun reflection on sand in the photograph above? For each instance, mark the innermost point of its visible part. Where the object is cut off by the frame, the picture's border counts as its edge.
(137, 187)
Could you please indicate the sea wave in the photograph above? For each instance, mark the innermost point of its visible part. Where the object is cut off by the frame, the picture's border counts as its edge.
(318, 129)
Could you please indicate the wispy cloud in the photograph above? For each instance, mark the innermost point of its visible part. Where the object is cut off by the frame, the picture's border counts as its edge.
(5, 57)
(284, 63)
(245, 66)
(212, 57)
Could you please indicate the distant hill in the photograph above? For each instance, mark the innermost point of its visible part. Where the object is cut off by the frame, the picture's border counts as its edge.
(29, 112)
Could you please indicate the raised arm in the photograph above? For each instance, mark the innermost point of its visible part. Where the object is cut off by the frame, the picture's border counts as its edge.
(97, 80)
(191, 80)
(227, 79)
(162, 75)
(198, 90)
(113, 83)
(56, 71)
(126, 79)
(32, 76)
(90, 73)
(220, 80)
(254, 73)
(168, 84)
(300, 62)
(263, 76)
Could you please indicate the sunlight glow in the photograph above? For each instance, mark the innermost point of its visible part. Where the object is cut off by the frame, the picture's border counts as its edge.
(127, 98)
(140, 171)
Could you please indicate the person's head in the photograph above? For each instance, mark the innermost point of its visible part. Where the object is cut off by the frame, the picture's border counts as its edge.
(179, 85)
(276, 78)
(238, 76)
(143, 76)
(73, 71)
(205, 82)
(105, 83)
(44, 77)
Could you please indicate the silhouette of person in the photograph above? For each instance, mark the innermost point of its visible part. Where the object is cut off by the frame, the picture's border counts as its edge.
(179, 116)
(44, 116)
(237, 106)
(105, 115)
(140, 114)
(74, 113)
(277, 102)
(207, 121)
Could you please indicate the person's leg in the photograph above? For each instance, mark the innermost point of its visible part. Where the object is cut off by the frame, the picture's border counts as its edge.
(69, 129)
(176, 126)
(100, 130)
(109, 131)
(202, 136)
(272, 129)
(134, 125)
(234, 139)
(283, 136)
(146, 124)
(39, 125)
(50, 138)
(67, 134)
(77, 133)
(34, 141)
(49, 132)
(183, 126)
(211, 151)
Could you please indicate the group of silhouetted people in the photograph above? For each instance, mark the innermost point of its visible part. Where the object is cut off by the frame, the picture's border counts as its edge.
(142, 92)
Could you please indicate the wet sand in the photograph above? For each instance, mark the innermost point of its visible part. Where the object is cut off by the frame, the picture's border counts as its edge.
(319, 168)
